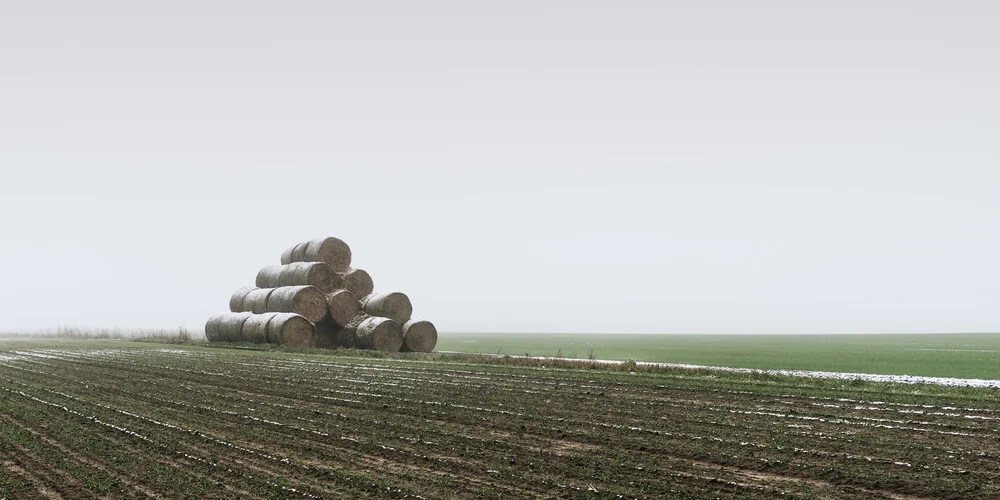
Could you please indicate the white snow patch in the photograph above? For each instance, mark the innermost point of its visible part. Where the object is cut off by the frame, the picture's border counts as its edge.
(870, 377)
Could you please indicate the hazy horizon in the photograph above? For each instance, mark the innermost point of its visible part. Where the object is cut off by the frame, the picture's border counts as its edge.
(577, 167)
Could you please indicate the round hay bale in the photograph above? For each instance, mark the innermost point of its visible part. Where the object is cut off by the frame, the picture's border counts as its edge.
(231, 326)
(343, 306)
(255, 327)
(381, 334)
(305, 300)
(419, 336)
(299, 253)
(317, 274)
(256, 301)
(286, 256)
(291, 329)
(236, 301)
(358, 282)
(213, 328)
(393, 305)
(333, 251)
(268, 277)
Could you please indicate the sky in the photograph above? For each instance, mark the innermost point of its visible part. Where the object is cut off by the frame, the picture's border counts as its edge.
(542, 166)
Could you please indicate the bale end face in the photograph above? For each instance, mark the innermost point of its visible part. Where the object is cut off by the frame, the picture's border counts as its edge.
(393, 305)
(380, 334)
(358, 282)
(331, 250)
(419, 336)
(291, 329)
(343, 306)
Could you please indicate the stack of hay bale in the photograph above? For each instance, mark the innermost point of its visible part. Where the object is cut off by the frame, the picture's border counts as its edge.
(315, 298)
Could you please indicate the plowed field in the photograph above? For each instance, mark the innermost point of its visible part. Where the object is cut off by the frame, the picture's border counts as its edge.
(104, 420)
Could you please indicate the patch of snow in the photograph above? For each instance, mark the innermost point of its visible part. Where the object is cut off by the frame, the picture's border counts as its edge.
(869, 377)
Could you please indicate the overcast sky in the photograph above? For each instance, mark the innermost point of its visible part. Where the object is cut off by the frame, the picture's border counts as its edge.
(542, 166)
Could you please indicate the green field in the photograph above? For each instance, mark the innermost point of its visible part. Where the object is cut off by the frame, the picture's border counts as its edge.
(107, 419)
(941, 355)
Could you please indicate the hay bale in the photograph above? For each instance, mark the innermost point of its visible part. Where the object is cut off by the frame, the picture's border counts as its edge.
(231, 326)
(291, 329)
(393, 305)
(381, 334)
(293, 254)
(419, 336)
(213, 328)
(307, 301)
(255, 327)
(286, 256)
(333, 251)
(299, 252)
(257, 300)
(268, 277)
(358, 282)
(343, 306)
(236, 301)
(317, 274)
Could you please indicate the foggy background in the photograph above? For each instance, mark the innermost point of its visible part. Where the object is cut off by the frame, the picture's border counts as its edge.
(688, 167)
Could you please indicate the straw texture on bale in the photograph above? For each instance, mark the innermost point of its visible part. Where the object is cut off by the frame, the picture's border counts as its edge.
(286, 256)
(393, 305)
(231, 326)
(293, 254)
(305, 300)
(317, 274)
(381, 334)
(315, 298)
(255, 327)
(268, 277)
(236, 301)
(343, 306)
(333, 251)
(419, 336)
(213, 328)
(358, 282)
(299, 252)
(291, 329)
(257, 300)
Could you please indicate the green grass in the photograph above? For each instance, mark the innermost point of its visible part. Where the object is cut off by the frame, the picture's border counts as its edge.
(940, 355)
